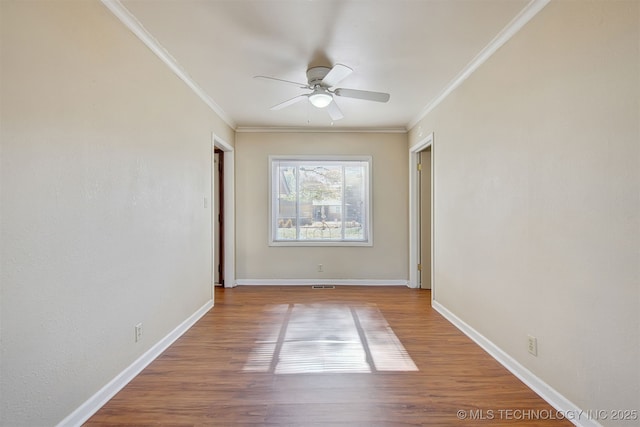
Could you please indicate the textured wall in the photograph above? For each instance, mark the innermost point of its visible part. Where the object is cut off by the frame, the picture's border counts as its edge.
(537, 180)
(105, 164)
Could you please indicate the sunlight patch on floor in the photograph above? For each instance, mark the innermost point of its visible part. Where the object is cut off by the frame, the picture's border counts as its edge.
(327, 338)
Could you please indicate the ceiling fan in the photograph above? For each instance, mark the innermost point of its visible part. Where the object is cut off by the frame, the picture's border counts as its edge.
(321, 80)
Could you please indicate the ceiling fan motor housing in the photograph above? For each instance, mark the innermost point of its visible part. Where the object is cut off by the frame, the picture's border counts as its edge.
(316, 74)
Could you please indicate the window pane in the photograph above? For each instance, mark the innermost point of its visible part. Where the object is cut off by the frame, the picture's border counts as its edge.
(320, 201)
(320, 193)
(286, 203)
(355, 219)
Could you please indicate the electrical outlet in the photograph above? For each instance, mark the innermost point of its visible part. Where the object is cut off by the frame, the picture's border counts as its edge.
(532, 345)
(319, 268)
(138, 332)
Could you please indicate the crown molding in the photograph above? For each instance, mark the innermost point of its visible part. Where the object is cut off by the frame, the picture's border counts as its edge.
(250, 129)
(516, 24)
(130, 21)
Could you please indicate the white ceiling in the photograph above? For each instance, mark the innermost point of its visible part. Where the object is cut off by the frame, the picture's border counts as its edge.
(412, 49)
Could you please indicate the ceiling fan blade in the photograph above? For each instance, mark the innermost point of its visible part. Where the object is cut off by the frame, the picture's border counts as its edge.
(289, 102)
(336, 75)
(300, 85)
(334, 111)
(363, 94)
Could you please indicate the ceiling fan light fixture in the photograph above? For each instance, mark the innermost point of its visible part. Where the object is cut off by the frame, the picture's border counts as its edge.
(321, 82)
(320, 99)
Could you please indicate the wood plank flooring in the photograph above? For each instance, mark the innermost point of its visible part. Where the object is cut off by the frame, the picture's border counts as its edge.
(223, 372)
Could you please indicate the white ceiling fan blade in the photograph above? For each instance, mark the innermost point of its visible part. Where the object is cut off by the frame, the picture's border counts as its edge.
(336, 74)
(334, 111)
(289, 102)
(363, 94)
(300, 85)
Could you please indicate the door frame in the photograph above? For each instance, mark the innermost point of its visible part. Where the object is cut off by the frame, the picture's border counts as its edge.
(228, 213)
(414, 211)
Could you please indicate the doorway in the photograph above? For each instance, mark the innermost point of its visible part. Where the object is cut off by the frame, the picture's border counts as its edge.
(424, 218)
(222, 213)
(421, 215)
(218, 215)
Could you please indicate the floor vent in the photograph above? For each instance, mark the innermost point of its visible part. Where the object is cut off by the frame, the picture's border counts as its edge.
(323, 287)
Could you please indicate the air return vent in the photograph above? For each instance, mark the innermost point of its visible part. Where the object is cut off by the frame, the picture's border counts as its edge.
(322, 287)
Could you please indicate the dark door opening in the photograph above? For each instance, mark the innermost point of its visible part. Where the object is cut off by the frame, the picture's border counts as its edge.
(218, 215)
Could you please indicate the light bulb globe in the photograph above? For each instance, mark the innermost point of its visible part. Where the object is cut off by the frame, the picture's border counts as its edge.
(320, 99)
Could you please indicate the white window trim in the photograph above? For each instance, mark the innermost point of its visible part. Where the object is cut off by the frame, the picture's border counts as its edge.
(272, 205)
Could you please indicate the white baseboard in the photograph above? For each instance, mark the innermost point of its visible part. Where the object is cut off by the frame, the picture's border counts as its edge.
(309, 282)
(95, 402)
(564, 406)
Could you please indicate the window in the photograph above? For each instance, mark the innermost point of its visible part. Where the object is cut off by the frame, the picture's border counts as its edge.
(320, 201)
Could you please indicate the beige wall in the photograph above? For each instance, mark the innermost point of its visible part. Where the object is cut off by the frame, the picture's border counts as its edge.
(386, 260)
(537, 212)
(104, 169)
(105, 162)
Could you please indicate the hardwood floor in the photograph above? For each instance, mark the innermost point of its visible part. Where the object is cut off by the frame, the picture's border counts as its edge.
(343, 357)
